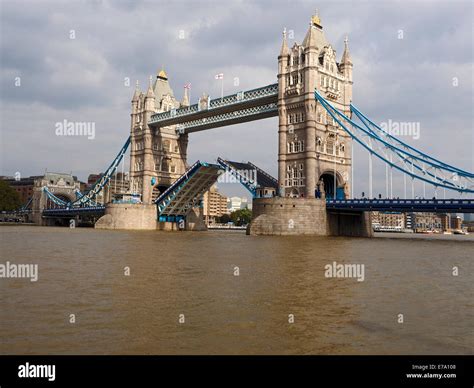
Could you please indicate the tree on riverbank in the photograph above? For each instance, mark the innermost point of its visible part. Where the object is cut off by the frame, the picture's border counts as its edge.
(9, 198)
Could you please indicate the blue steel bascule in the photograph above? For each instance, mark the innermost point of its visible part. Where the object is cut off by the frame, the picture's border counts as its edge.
(309, 103)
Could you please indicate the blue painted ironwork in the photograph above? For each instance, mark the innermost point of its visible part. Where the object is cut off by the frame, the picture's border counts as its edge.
(168, 204)
(104, 179)
(53, 198)
(26, 205)
(75, 211)
(232, 101)
(379, 131)
(403, 205)
(228, 118)
(88, 197)
(249, 184)
(384, 150)
(256, 177)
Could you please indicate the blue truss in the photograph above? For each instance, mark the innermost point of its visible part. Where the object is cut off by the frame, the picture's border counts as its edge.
(249, 184)
(26, 205)
(88, 197)
(386, 149)
(169, 207)
(53, 198)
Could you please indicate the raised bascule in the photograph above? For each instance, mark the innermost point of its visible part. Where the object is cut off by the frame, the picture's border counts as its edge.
(317, 129)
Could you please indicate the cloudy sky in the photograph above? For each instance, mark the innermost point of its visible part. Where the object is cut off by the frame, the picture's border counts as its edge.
(78, 61)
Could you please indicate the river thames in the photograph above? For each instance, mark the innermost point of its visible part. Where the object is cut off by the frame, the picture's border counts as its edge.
(179, 293)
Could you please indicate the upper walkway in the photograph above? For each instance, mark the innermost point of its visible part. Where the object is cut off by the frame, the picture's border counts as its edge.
(236, 108)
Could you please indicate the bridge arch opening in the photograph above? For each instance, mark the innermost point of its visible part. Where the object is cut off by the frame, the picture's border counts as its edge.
(64, 197)
(158, 190)
(327, 179)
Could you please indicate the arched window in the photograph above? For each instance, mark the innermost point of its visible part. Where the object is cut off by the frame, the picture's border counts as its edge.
(292, 146)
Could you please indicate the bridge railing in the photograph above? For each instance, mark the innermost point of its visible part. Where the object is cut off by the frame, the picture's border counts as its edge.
(236, 98)
(402, 201)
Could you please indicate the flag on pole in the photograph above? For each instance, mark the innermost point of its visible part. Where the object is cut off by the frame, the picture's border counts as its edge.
(219, 76)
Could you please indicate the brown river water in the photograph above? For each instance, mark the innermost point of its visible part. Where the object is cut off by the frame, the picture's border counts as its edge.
(191, 277)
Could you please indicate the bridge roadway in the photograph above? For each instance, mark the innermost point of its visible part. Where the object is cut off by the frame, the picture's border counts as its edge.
(338, 205)
(402, 205)
(236, 108)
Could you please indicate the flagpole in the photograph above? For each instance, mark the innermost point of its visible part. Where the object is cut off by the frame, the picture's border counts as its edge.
(222, 87)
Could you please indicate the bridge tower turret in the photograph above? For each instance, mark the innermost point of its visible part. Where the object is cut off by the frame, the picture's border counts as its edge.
(311, 146)
(157, 155)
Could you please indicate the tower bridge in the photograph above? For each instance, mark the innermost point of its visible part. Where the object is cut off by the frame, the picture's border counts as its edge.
(318, 126)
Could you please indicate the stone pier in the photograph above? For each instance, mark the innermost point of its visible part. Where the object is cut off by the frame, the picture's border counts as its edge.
(304, 216)
(128, 216)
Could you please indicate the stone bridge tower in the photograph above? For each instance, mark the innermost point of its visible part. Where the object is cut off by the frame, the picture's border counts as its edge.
(313, 150)
(157, 156)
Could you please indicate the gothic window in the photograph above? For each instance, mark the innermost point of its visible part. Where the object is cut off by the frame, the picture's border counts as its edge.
(302, 145)
(302, 58)
(342, 148)
(297, 146)
(330, 145)
(164, 165)
(294, 173)
(292, 146)
(172, 168)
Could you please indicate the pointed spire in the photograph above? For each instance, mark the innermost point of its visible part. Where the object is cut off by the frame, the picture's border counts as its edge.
(346, 57)
(150, 92)
(284, 46)
(185, 101)
(137, 93)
